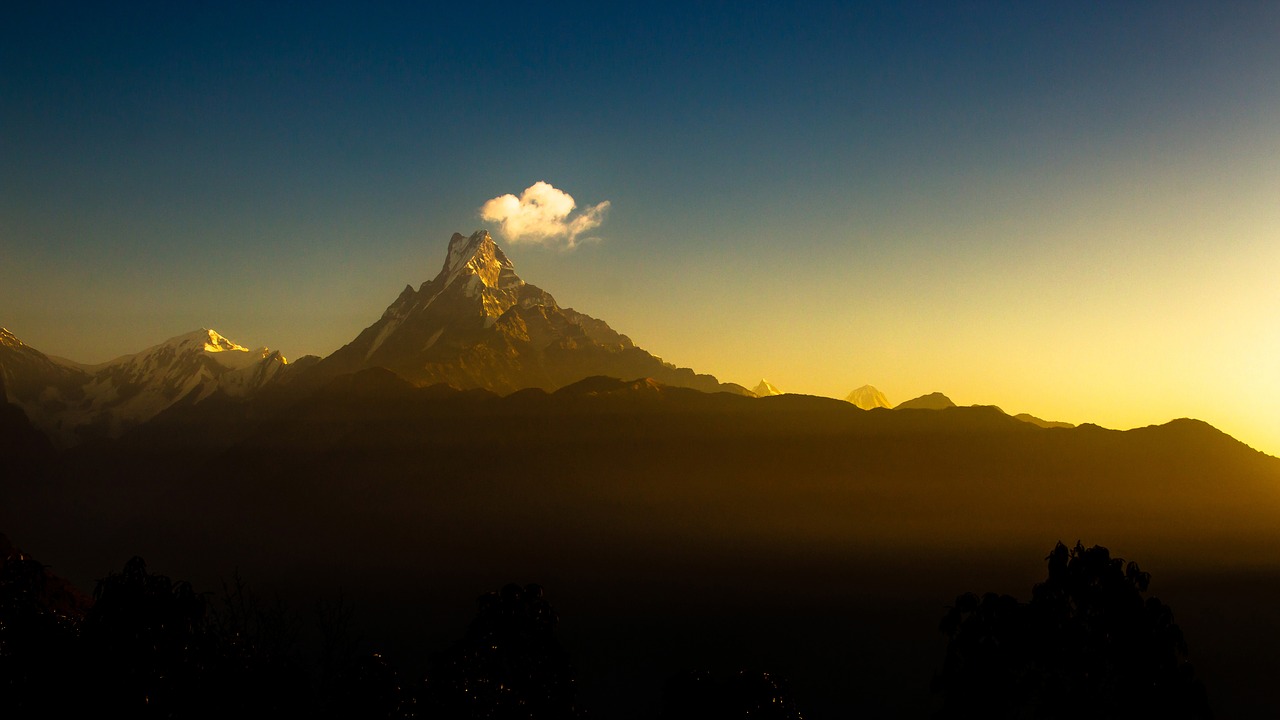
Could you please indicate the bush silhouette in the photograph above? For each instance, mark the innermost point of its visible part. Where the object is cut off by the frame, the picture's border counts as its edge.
(37, 639)
(1088, 644)
(147, 642)
(705, 695)
(509, 665)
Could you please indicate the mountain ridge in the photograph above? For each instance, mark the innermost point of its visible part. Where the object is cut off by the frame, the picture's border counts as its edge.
(70, 402)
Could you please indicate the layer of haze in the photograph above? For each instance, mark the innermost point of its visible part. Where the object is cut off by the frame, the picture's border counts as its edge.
(1063, 210)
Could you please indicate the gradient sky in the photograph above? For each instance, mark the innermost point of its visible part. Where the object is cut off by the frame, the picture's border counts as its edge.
(1069, 209)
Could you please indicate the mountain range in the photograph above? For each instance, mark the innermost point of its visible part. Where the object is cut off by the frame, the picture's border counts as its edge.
(476, 324)
(478, 433)
(71, 401)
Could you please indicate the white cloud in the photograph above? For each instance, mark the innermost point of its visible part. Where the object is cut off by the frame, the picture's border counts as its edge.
(543, 215)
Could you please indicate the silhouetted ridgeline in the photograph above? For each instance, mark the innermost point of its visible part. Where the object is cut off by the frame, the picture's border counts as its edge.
(701, 519)
(642, 458)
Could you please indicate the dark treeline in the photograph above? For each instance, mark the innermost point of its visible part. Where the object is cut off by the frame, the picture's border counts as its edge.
(147, 646)
(1087, 644)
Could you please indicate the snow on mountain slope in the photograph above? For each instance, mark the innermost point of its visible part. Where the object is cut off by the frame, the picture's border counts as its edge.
(188, 367)
(69, 400)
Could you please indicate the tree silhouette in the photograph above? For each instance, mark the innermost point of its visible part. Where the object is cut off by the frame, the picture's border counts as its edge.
(256, 667)
(147, 639)
(38, 639)
(1087, 645)
(705, 695)
(509, 665)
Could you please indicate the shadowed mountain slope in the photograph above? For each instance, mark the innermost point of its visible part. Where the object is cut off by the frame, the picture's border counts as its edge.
(630, 494)
(932, 401)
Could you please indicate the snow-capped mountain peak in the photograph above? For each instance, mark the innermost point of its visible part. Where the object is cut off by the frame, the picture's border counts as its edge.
(111, 397)
(478, 256)
(477, 324)
(867, 398)
(213, 342)
(8, 339)
(486, 271)
(765, 389)
(204, 342)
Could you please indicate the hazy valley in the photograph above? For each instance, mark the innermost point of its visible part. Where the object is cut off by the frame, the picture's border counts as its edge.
(479, 434)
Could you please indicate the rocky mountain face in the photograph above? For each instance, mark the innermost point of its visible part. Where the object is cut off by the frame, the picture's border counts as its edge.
(71, 402)
(478, 325)
(868, 398)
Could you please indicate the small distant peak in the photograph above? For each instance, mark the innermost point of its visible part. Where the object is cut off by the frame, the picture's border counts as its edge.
(9, 339)
(765, 389)
(868, 398)
(932, 401)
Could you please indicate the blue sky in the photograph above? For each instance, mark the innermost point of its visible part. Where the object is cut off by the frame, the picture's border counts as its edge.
(1001, 201)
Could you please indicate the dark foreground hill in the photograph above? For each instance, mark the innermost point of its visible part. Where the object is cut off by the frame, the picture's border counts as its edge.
(793, 533)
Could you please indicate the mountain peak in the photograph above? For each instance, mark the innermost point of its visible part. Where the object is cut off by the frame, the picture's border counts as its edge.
(765, 389)
(9, 339)
(867, 398)
(463, 248)
(478, 325)
(476, 255)
(209, 340)
(486, 271)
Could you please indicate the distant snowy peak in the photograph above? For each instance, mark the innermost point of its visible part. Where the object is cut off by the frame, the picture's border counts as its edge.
(70, 401)
(213, 342)
(204, 343)
(765, 389)
(868, 398)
